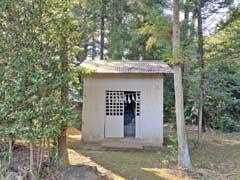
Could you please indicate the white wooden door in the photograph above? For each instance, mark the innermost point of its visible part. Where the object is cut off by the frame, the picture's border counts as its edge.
(114, 121)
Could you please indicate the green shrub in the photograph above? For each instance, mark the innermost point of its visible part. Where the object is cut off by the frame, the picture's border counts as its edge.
(229, 125)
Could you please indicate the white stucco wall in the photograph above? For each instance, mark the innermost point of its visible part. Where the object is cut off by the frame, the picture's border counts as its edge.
(150, 122)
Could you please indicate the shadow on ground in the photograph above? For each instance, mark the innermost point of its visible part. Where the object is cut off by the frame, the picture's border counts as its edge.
(216, 157)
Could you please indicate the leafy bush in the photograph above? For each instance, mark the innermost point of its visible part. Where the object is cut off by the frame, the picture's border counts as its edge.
(229, 125)
(221, 92)
(225, 124)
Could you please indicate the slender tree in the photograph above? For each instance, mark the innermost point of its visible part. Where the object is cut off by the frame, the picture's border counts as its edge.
(201, 66)
(102, 29)
(183, 151)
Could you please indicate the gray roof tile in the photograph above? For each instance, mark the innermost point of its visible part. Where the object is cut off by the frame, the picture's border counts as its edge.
(126, 66)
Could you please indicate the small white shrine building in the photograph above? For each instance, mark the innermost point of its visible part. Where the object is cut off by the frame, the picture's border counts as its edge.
(123, 99)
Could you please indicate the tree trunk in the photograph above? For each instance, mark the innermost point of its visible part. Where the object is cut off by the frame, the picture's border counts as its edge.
(82, 55)
(10, 143)
(186, 10)
(31, 156)
(41, 154)
(183, 151)
(62, 140)
(85, 52)
(48, 150)
(186, 34)
(62, 148)
(201, 66)
(102, 29)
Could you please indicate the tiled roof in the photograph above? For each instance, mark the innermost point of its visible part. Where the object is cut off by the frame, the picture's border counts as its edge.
(125, 66)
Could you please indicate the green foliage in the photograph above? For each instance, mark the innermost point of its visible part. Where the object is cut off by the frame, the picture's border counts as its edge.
(223, 83)
(226, 124)
(37, 43)
(117, 25)
(222, 89)
(225, 44)
(221, 78)
(172, 146)
(4, 170)
(132, 28)
(169, 100)
(151, 30)
(40, 39)
(229, 125)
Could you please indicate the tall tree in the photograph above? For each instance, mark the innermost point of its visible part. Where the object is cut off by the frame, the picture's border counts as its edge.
(37, 46)
(201, 65)
(183, 151)
(66, 34)
(118, 29)
(62, 139)
(102, 29)
(211, 7)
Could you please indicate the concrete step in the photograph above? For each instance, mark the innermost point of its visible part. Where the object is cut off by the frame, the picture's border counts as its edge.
(122, 144)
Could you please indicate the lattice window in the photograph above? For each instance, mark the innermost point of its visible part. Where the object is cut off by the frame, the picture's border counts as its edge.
(138, 100)
(114, 103)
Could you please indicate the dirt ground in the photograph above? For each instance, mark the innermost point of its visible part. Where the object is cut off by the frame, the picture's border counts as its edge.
(215, 157)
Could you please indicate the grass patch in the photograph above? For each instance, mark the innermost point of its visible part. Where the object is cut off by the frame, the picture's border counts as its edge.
(216, 157)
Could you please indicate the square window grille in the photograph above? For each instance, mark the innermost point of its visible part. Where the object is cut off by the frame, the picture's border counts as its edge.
(114, 103)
